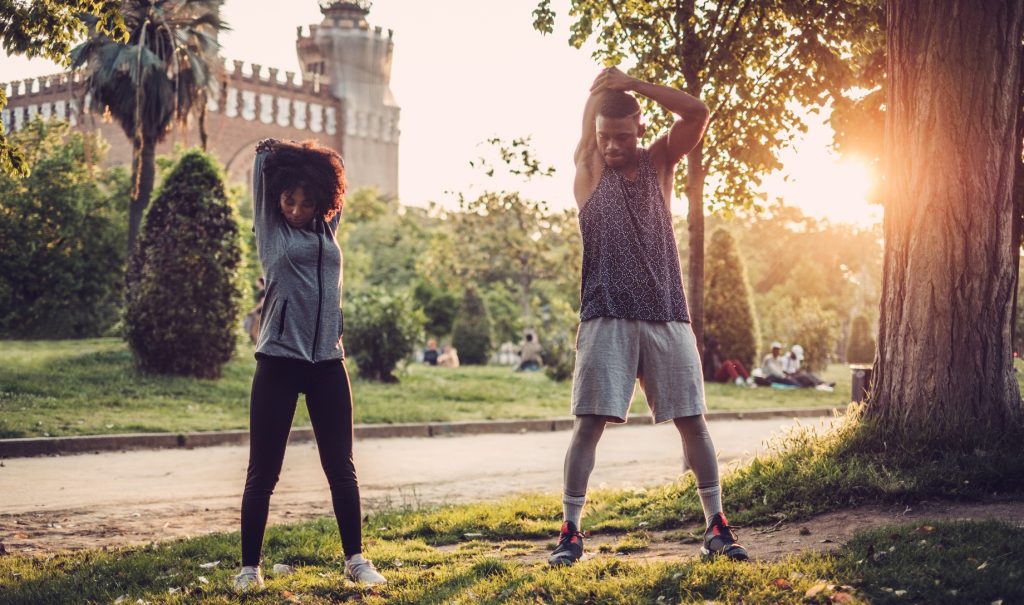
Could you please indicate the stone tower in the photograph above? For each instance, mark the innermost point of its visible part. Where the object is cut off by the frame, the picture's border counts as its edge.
(352, 60)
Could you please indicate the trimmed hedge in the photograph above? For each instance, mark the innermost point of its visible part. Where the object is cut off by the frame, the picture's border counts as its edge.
(183, 291)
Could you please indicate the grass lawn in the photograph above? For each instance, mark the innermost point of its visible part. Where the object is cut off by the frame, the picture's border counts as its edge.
(954, 563)
(89, 387)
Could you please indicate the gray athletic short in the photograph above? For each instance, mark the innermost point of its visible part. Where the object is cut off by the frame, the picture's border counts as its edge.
(611, 354)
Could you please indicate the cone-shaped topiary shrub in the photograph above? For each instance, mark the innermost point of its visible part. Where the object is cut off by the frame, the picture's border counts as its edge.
(862, 344)
(471, 334)
(183, 291)
(728, 310)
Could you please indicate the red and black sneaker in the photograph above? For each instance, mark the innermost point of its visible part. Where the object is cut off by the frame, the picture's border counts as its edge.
(720, 540)
(570, 546)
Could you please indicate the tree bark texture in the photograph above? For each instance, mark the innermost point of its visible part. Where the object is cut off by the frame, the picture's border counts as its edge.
(944, 367)
(137, 208)
(695, 224)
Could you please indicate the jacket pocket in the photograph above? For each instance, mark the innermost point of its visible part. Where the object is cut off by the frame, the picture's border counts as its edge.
(284, 310)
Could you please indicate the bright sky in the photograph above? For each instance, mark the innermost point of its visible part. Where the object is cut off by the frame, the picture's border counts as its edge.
(466, 70)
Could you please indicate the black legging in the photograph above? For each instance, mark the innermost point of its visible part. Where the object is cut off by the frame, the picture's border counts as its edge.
(275, 391)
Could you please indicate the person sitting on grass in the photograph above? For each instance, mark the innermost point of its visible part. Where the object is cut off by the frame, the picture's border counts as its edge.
(449, 357)
(718, 370)
(430, 354)
(633, 317)
(298, 192)
(791, 363)
(772, 369)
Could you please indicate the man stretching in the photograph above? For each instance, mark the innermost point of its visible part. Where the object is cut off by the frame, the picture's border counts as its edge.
(633, 318)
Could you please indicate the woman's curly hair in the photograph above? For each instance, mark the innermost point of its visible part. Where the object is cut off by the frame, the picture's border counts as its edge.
(319, 170)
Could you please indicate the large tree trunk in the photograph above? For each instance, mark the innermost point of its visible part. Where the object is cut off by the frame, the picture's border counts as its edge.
(147, 156)
(943, 367)
(695, 223)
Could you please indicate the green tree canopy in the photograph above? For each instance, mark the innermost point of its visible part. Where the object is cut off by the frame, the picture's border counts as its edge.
(47, 28)
(62, 232)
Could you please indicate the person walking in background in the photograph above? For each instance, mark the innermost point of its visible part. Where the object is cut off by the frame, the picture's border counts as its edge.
(633, 317)
(298, 193)
(252, 318)
(718, 370)
(529, 353)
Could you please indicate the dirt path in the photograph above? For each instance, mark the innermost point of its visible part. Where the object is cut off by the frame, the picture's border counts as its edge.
(821, 533)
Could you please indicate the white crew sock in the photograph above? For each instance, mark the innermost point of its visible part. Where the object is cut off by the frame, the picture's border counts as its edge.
(711, 501)
(356, 558)
(572, 508)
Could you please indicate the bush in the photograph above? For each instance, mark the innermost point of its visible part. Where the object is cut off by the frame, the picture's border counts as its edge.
(64, 237)
(381, 329)
(816, 329)
(183, 292)
(728, 310)
(471, 334)
(862, 344)
(439, 306)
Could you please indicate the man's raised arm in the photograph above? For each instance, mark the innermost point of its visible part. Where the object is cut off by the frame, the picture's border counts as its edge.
(587, 157)
(693, 114)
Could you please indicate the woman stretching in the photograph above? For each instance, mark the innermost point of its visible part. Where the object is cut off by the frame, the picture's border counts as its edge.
(298, 192)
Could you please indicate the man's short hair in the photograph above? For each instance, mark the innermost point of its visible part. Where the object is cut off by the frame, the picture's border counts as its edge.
(618, 104)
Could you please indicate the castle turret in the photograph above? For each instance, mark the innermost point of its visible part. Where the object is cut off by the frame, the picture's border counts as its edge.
(352, 60)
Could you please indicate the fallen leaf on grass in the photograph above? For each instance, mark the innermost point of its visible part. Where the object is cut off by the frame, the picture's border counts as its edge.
(21, 536)
(782, 583)
(818, 588)
(202, 580)
(983, 566)
(210, 565)
(926, 529)
(842, 597)
(280, 569)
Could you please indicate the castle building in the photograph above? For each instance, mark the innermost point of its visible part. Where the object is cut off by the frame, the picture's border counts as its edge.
(341, 98)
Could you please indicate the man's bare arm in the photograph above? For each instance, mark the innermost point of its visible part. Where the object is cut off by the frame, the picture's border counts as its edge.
(686, 131)
(588, 138)
(586, 158)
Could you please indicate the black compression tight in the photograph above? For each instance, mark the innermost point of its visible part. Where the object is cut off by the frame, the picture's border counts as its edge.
(275, 392)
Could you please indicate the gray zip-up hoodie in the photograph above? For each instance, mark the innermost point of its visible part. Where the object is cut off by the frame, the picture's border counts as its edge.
(302, 317)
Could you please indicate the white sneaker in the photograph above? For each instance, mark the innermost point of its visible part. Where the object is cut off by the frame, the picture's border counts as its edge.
(249, 578)
(739, 382)
(361, 570)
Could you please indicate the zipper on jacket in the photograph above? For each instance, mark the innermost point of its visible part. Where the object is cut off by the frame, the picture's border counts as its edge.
(319, 291)
(280, 327)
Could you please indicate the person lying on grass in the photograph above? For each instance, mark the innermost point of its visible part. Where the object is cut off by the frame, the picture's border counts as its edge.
(633, 317)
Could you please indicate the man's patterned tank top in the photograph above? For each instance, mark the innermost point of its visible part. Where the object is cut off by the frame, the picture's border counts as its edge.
(630, 259)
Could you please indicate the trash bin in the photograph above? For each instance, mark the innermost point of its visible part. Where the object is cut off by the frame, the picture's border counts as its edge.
(861, 382)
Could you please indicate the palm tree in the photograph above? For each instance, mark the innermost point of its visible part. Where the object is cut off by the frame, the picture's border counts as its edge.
(160, 75)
